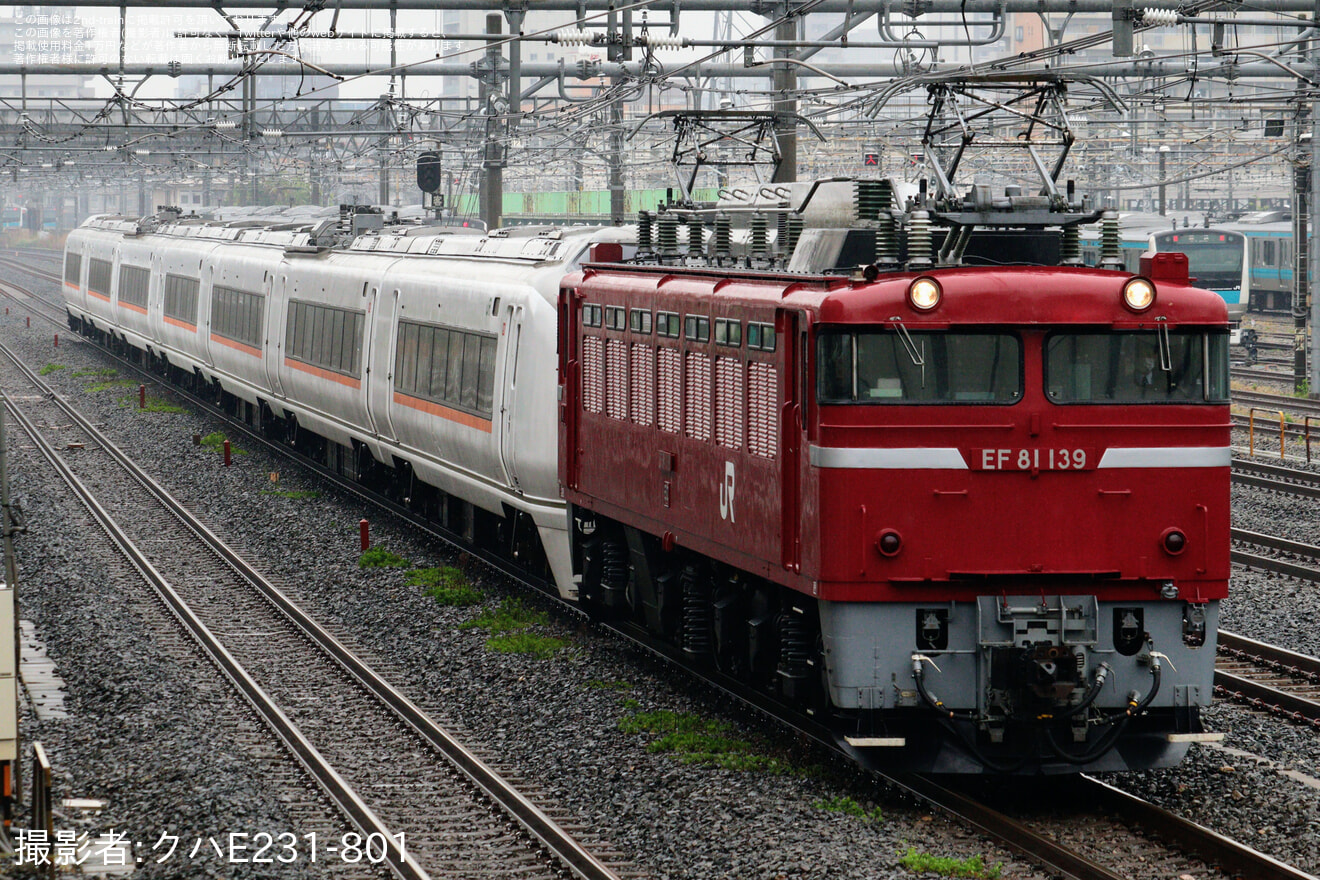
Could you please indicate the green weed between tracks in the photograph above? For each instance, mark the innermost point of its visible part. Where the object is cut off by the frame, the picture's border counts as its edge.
(972, 867)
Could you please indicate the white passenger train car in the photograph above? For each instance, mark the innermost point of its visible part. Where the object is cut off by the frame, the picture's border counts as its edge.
(422, 359)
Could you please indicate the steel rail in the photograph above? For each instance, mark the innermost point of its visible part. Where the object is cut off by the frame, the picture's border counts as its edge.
(1215, 848)
(334, 786)
(999, 826)
(1276, 478)
(1272, 660)
(531, 818)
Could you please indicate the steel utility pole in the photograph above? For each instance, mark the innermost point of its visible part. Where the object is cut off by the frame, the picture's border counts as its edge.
(492, 178)
(785, 83)
(1302, 182)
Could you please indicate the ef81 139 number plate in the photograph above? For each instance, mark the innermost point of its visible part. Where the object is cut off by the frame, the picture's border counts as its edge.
(1037, 459)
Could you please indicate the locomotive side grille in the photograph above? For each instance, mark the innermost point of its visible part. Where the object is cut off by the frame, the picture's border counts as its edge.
(697, 401)
(592, 373)
(762, 409)
(669, 388)
(643, 384)
(616, 379)
(728, 403)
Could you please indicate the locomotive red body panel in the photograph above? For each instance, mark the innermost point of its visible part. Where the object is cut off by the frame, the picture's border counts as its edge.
(1005, 485)
(1027, 491)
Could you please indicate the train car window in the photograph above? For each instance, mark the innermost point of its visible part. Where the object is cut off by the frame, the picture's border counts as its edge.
(615, 318)
(407, 379)
(439, 361)
(486, 376)
(237, 315)
(99, 273)
(425, 343)
(1267, 252)
(591, 315)
(471, 369)
(181, 298)
(666, 324)
(72, 267)
(639, 321)
(760, 337)
(133, 285)
(454, 370)
(697, 328)
(877, 367)
(1127, 367)
(728, 332)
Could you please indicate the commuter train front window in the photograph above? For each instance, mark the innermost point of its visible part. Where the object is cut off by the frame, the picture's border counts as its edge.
(181, 299)
(238, 315)
(1214, 258)
(1137, 366)
(884, 366)
(325, 337)
(452, 367)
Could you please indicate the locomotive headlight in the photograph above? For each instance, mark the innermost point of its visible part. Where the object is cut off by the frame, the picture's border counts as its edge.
(1173, 541)
(924, 294)
(1138, 294)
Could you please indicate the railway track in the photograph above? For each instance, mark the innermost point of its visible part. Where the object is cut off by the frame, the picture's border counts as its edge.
(417, 797)
(1269, 678)
(1039, 841)
(1276, 478)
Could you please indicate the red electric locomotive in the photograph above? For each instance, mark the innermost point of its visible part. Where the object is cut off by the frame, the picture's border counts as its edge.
(974, 517)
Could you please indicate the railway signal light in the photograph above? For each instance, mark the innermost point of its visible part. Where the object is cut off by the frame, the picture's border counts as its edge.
(429, 172)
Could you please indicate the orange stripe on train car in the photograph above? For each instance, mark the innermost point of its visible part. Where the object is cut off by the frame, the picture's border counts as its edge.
(246, 349)
(350, 381)
(133, 308)
(100, 296)
(192, 328)
(443, 412)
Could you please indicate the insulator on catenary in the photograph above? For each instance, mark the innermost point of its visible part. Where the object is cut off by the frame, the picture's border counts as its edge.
(1153, 16)
(661, 41)
(574, 38)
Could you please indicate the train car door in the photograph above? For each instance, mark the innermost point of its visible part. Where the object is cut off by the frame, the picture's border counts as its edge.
(513, 332)
(792, 424)
(381, 309)
(276, 314)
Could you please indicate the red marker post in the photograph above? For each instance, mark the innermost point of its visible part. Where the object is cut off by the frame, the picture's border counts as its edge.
(228, 459)
(364, 532)
(57, 340)
(142, 397)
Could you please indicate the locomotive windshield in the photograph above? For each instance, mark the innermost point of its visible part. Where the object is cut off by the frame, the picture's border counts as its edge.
(1214, 258)
(887, 366)
(1189, 366)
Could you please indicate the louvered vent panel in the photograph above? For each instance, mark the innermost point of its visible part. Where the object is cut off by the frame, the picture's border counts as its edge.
(762, 410)
(643, 385)
(593, 377)
(616, 379)
(697, 402)
(670, 386)
(728, 403)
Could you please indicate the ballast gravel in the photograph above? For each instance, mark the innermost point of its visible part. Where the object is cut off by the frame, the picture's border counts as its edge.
(142, 733)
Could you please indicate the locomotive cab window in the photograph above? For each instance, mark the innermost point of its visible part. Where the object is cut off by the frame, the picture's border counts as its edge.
(1141, 366)
(888, 366)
